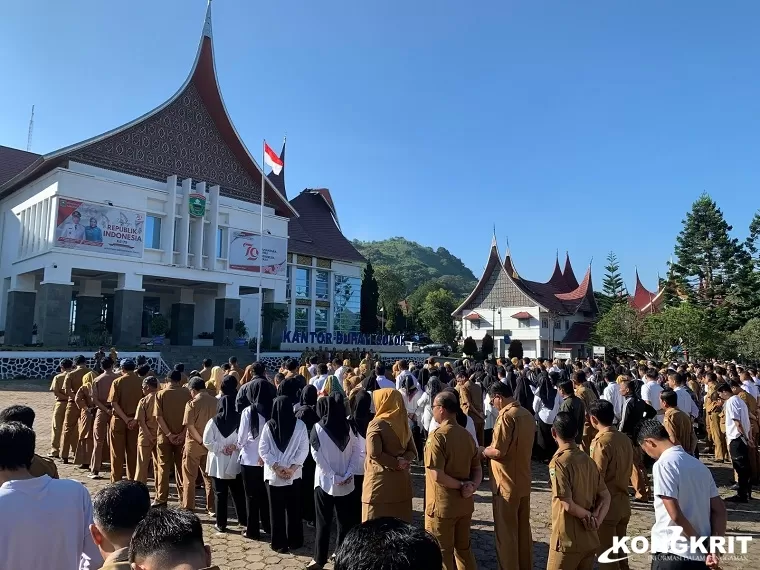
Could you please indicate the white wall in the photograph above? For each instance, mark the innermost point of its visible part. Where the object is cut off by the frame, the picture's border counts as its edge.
(249, 312)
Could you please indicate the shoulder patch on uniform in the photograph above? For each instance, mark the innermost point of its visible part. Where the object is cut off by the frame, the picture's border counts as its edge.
(552, 472)
(591, 449)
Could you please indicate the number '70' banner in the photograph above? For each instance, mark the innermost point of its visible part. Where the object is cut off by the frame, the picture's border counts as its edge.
(248, 252)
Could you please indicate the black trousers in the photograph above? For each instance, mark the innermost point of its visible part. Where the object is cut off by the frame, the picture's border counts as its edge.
(347, 512)
(740, 459)
(487, 437)
(544, 439)
(285, 516)
(256, 499)
(234, 487)
(673, 562)
(418, 441)
(307, 490)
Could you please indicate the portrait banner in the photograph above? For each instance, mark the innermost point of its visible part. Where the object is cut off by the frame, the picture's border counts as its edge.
(248, 252)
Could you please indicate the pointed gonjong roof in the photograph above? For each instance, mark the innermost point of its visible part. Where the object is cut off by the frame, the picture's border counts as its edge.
(644, 300)
(190, 135)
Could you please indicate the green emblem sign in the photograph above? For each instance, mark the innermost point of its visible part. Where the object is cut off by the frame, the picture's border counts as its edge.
(197, 205)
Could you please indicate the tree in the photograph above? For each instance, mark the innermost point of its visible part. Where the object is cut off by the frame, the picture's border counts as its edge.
(436, 316)
(747, 340)
(470, 347)
(368, 301)
(621, 329)
(515, 349)
(613, 286)
(391, 290)
(486, 346)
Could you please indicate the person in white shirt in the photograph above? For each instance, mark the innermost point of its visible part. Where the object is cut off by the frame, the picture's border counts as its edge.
(613, 396)
(313, 368)
(425, 402)
(382, 381)
(360, 403)
(462, 419)
(340, 370)
(411, 395)
(306, 411)
(45, 523)
(220, 438)
(749, 386)
(336, 451)
(739, 437)
(252, 422)
(650, 392)
(686, 502)
(284, 446)
(403, 366)
(318, 381)
(685, 401)
(546, 402)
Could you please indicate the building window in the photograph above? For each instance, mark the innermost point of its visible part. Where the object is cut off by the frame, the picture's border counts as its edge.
(220, 245)
(346, 304)
(567, 324)
(523, 323)
(303, 277)
(475, 324)
(302, 319)
(320, 319)
(544, 323)
(323, 285)
(557, 324)
(153, 232)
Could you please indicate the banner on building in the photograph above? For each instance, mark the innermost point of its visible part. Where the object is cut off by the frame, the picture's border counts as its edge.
(248, 252)
(86, 226)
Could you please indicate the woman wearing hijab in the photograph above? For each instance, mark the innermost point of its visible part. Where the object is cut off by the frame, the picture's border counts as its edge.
(283, 447)
(263, 394)
(291, 389)
(306, 412)
(214, 383)
(546, 405)
(387, 490)
(360, 403)
(462, 419)
(220, 438)
(411, 395)
(336, 452)
(425, 402)
(332, 386)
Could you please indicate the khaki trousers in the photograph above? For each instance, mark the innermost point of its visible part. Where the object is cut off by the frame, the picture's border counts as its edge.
(454, 537)
(570, 560)
(514, 541)
(607, 531)
(100, 440)
(639, 479)
(190, 465)
(70, 430)
(169, 456)
(84, 451)
(145, 453)
(718, 438)
(589, 433)
(123, 443)
(56, 428)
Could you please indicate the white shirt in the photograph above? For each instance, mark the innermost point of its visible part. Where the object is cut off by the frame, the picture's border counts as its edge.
(650, 393)
(340, 373)
(613, 396)
(470, 428)
(313, 369)
(412, 406)
(427, 410)
(249, 447)
(359, 466)
(319, 381)
(545, 414)
(736, 409)
(295, 454)
(45, 524)
(383, 382)
(685, 402)
(678, 475)
(218, 464)
(400, 379)
(489, 411)
(750, 388)
(335, 466)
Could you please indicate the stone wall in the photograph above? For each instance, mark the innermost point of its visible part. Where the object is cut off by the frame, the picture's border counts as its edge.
(38, 365)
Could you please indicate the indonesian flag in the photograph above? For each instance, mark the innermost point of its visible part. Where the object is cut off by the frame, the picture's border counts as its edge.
(271, 158)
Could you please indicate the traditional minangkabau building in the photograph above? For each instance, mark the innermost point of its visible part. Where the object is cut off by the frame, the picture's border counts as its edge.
(549, 318)
(162, 216)
(643, 300)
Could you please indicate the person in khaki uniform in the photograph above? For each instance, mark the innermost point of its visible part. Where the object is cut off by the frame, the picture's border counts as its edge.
(59, 412)
(471, 397)
(588, 397)
(677, 423)
(452, 475)
(71, 384)
(83, 400)
(387, 488)
(713, 411)
(125, 394)
(101, 387)
(738, 390)
(147, 428)
(40, 465)
(170, 411)
(198, 412)
(205, 372)
(612, 451)
(510, 452)
(580, 501)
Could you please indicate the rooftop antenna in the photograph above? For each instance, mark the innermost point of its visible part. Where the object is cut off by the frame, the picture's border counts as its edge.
(31, 130)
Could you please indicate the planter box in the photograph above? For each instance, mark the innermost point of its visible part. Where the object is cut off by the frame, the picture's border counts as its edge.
(203, 342)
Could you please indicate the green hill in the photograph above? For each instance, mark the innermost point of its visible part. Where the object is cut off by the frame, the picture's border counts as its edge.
(418, 264)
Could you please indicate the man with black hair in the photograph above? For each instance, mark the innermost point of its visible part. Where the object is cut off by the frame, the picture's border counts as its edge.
(573, 405)
(117, 510)
(198, 412)
(235, 370)
(509, 452)
(40, 465)
(677, 423)
(580, 500)
(686, 502)
(59, 411)
(740, 389)
(612, 452)
(319, 379)
(471, 398)
(388, 544)
(205, 372)
(650, 392)
(126, 392)
(686, 403)
(71, 383)
(382, 381)
(170, 413)
(179, 367)
(587, 396)
(739, 437)
(313, 370)
(169, 538)
(44, 522)
(635, 411)
(101, 387)
(147, 428)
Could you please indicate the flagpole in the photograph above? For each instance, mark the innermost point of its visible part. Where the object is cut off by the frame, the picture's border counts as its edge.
(261, 253)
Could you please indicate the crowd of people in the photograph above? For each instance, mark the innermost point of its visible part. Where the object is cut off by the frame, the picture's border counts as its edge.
(330, 438)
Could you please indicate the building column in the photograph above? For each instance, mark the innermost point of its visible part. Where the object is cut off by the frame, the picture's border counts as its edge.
(19, 314)
(274, 319)
(89, 313)
(55, 303)
(183, 233)
(226, 313)
(211, 241)
(183, 319)
(167, 227)
(128, 311)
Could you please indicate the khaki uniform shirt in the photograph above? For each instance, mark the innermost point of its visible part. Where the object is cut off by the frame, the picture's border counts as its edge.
(56, 386)
(573, 475)
(101, 386)
(612, 451)
(43, 466)
(198, 412)
(73, 381)
(678, 425)
(471, 396)
(170, 405)
(513, 435)
(747, 398)
(126, 391)
(146, 411)
(205, 374)
(383, 483)
(573, 405)
(450, 448)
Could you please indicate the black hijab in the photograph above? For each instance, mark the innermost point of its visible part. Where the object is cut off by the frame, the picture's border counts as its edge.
(291, 388)
(263, 393)
(370, 382)
(305, 411)
(227, 418)
(334, 422)
(522, 391)
(283, 422)
(321, 408)
(435, 387)
(461, 416)
(547, 390)
(360, 402)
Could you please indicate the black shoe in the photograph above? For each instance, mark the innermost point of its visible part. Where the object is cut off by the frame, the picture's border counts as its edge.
(65, 460)
(218, 528)
(84, 467)
(156, 505)
(737, 499)
(54, 456)
(734, 487)
(314, 565)
(283, 550)
(251, 536)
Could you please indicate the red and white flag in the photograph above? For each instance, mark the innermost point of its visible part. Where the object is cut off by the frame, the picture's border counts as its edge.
(271, 158)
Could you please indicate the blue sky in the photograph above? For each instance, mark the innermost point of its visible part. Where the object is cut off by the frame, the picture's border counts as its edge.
(589, 126)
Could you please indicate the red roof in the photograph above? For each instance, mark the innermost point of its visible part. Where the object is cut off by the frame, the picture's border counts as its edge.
(579, 333)
(644, 300)
(473, 317)
(557, 280)
(522, 315)
(568, 274)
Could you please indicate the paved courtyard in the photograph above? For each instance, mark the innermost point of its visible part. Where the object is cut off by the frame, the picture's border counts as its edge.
(233, 551)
